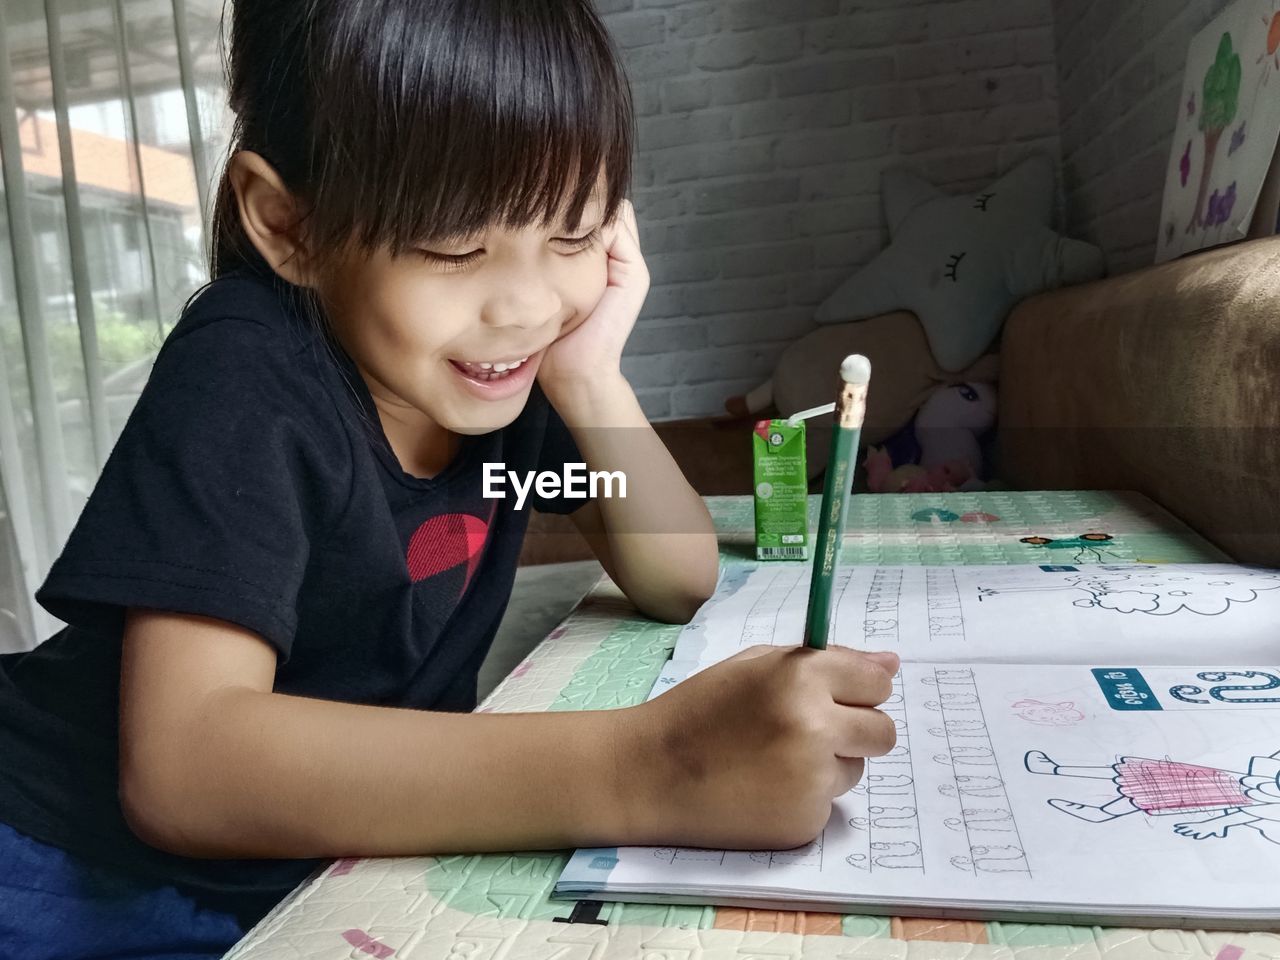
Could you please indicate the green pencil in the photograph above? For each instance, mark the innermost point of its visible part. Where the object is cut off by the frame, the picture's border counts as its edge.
(851, 407)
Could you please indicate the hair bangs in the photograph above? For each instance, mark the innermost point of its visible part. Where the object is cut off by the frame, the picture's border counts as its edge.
(436, 120)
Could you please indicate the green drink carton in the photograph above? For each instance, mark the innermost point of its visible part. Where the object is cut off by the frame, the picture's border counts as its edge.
(781, 490)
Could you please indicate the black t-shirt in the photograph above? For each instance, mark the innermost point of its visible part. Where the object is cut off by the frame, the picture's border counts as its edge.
(253, 483)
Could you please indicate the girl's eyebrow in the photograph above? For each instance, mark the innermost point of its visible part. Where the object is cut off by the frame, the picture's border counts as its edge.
(596, 198)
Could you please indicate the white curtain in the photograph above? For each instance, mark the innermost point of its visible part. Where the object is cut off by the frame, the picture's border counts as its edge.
(112, 123)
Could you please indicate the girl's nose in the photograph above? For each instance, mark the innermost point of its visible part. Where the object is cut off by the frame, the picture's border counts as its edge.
(523, 300)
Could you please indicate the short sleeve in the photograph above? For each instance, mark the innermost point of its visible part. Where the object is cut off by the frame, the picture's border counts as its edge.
(558, 449)
(210, 498)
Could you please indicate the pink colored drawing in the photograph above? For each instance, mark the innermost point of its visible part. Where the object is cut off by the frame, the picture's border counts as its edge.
(557, 633)
(344, 866)
(522, 669)
(979, 517)
(365, 943)
(1061, 714)
(1230, 952)
(1163, 787)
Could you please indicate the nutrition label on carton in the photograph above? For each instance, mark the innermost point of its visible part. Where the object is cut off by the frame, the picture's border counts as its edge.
(781, 491)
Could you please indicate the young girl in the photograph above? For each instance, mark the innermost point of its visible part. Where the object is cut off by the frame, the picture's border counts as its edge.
(286, 579)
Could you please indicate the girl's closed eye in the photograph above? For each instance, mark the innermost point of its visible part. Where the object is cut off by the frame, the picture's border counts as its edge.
(578, 244)
(460, 261)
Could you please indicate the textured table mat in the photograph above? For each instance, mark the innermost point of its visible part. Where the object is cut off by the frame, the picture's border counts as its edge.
(497, 906)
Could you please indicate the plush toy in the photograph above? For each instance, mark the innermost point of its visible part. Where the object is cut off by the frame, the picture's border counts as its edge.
(939, 452)
(884, 477)
(961, 263)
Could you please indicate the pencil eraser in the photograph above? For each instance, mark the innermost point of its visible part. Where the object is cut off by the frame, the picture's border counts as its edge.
(855, 369)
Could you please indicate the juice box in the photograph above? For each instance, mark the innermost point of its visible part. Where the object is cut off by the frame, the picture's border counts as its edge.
(781, 490)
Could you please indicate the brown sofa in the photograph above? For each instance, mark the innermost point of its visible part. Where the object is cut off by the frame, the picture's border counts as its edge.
(1165, 381)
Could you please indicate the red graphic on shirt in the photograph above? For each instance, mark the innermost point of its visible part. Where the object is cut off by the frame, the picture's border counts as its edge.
(445, 541)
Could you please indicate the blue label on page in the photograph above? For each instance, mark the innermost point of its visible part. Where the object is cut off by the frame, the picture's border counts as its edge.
(1125, 688)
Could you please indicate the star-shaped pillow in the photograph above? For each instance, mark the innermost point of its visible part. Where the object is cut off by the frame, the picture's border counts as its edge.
(961, 263)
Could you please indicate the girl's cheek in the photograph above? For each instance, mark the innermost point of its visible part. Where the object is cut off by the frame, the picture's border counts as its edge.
(587, 287)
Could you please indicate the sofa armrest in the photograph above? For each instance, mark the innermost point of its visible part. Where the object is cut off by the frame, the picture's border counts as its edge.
(1165, 381)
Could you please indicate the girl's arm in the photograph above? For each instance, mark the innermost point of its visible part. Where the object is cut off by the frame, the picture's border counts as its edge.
(658, 543)
(215, 764)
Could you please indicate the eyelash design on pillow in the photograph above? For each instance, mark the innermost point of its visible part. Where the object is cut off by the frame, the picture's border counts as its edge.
(953, 264)
(980, 202)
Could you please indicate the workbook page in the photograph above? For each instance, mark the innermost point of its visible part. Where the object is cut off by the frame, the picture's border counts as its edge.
(1140, 613)
(1093, 791)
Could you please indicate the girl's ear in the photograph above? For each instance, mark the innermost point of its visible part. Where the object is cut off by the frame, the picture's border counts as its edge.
(269, 215)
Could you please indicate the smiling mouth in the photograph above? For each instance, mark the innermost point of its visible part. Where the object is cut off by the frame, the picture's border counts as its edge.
(486, 370)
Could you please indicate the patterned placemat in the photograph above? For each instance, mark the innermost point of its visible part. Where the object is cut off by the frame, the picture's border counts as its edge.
(498, 906)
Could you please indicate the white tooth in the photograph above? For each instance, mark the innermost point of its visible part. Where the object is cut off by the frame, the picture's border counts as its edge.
(523, 359)
(485, 366)
(499, 367)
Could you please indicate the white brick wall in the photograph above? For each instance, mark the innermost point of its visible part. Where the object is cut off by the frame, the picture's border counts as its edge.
(763, 128)
(1120, 67)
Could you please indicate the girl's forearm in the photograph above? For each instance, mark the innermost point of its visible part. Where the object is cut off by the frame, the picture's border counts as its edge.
(661, 540)
(271, 775)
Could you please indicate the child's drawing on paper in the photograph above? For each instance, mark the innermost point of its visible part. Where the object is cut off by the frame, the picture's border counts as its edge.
(1088, 546)
(1143, 589)
(1219, 106)
(1269, 59)
(1167, 787)
(1225, 138)
(1062, 714)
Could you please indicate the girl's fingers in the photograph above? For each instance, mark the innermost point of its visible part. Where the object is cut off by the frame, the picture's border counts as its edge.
(629, 211)
(626, 246)
(865, 732)
(626, 227)
(849, 771)
(855, 679)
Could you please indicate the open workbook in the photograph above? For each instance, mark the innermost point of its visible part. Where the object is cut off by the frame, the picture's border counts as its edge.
(1081, 744)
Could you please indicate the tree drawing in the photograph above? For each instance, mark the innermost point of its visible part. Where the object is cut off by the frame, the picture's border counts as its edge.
(1218, 108)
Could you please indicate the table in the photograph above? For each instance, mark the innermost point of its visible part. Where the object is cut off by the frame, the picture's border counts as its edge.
(497, 906)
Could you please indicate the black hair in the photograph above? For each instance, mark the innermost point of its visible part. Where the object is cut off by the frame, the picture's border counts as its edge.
(403, 122)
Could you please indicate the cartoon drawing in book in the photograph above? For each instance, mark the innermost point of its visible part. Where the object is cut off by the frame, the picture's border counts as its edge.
(1167, 787)
(1061, 714)
(1142, 588)
(1087, 546)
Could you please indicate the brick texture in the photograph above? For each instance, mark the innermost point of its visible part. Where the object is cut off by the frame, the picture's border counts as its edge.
(764, 126)
(1120, 78)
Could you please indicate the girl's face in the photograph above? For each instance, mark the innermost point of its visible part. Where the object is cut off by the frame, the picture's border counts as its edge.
(449, 338)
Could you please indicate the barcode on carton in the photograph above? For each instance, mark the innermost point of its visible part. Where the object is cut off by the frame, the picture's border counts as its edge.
(781, 553)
